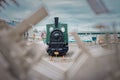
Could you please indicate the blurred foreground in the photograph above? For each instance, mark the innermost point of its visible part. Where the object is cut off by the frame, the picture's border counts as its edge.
(21, 59)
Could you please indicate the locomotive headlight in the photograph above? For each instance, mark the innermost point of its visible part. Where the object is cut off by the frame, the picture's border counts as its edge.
(63, 29)
(51, 29)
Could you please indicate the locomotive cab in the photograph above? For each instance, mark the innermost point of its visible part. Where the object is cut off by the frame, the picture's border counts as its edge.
(57, 39)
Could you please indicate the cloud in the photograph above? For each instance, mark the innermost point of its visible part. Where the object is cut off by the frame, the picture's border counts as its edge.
(64, 2)
(26, 8)
(71, 12)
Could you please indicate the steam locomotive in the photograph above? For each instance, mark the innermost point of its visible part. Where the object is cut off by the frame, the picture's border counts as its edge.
(57, 38)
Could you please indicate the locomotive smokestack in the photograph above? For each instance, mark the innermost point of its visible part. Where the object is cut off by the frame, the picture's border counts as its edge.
(56, 22)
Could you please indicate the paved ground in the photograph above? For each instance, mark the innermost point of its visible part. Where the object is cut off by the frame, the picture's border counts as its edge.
(101, 64)
(80, 66)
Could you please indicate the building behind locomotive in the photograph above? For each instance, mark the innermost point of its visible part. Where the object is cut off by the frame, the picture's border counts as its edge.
(57, 38)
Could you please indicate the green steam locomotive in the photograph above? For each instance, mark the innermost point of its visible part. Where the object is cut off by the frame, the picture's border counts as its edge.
(57, 38)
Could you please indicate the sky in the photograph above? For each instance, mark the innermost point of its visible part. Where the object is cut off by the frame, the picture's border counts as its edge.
(76, 13)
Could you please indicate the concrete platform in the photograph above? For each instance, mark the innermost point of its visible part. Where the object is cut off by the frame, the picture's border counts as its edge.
(101, 64)
(79, 66)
